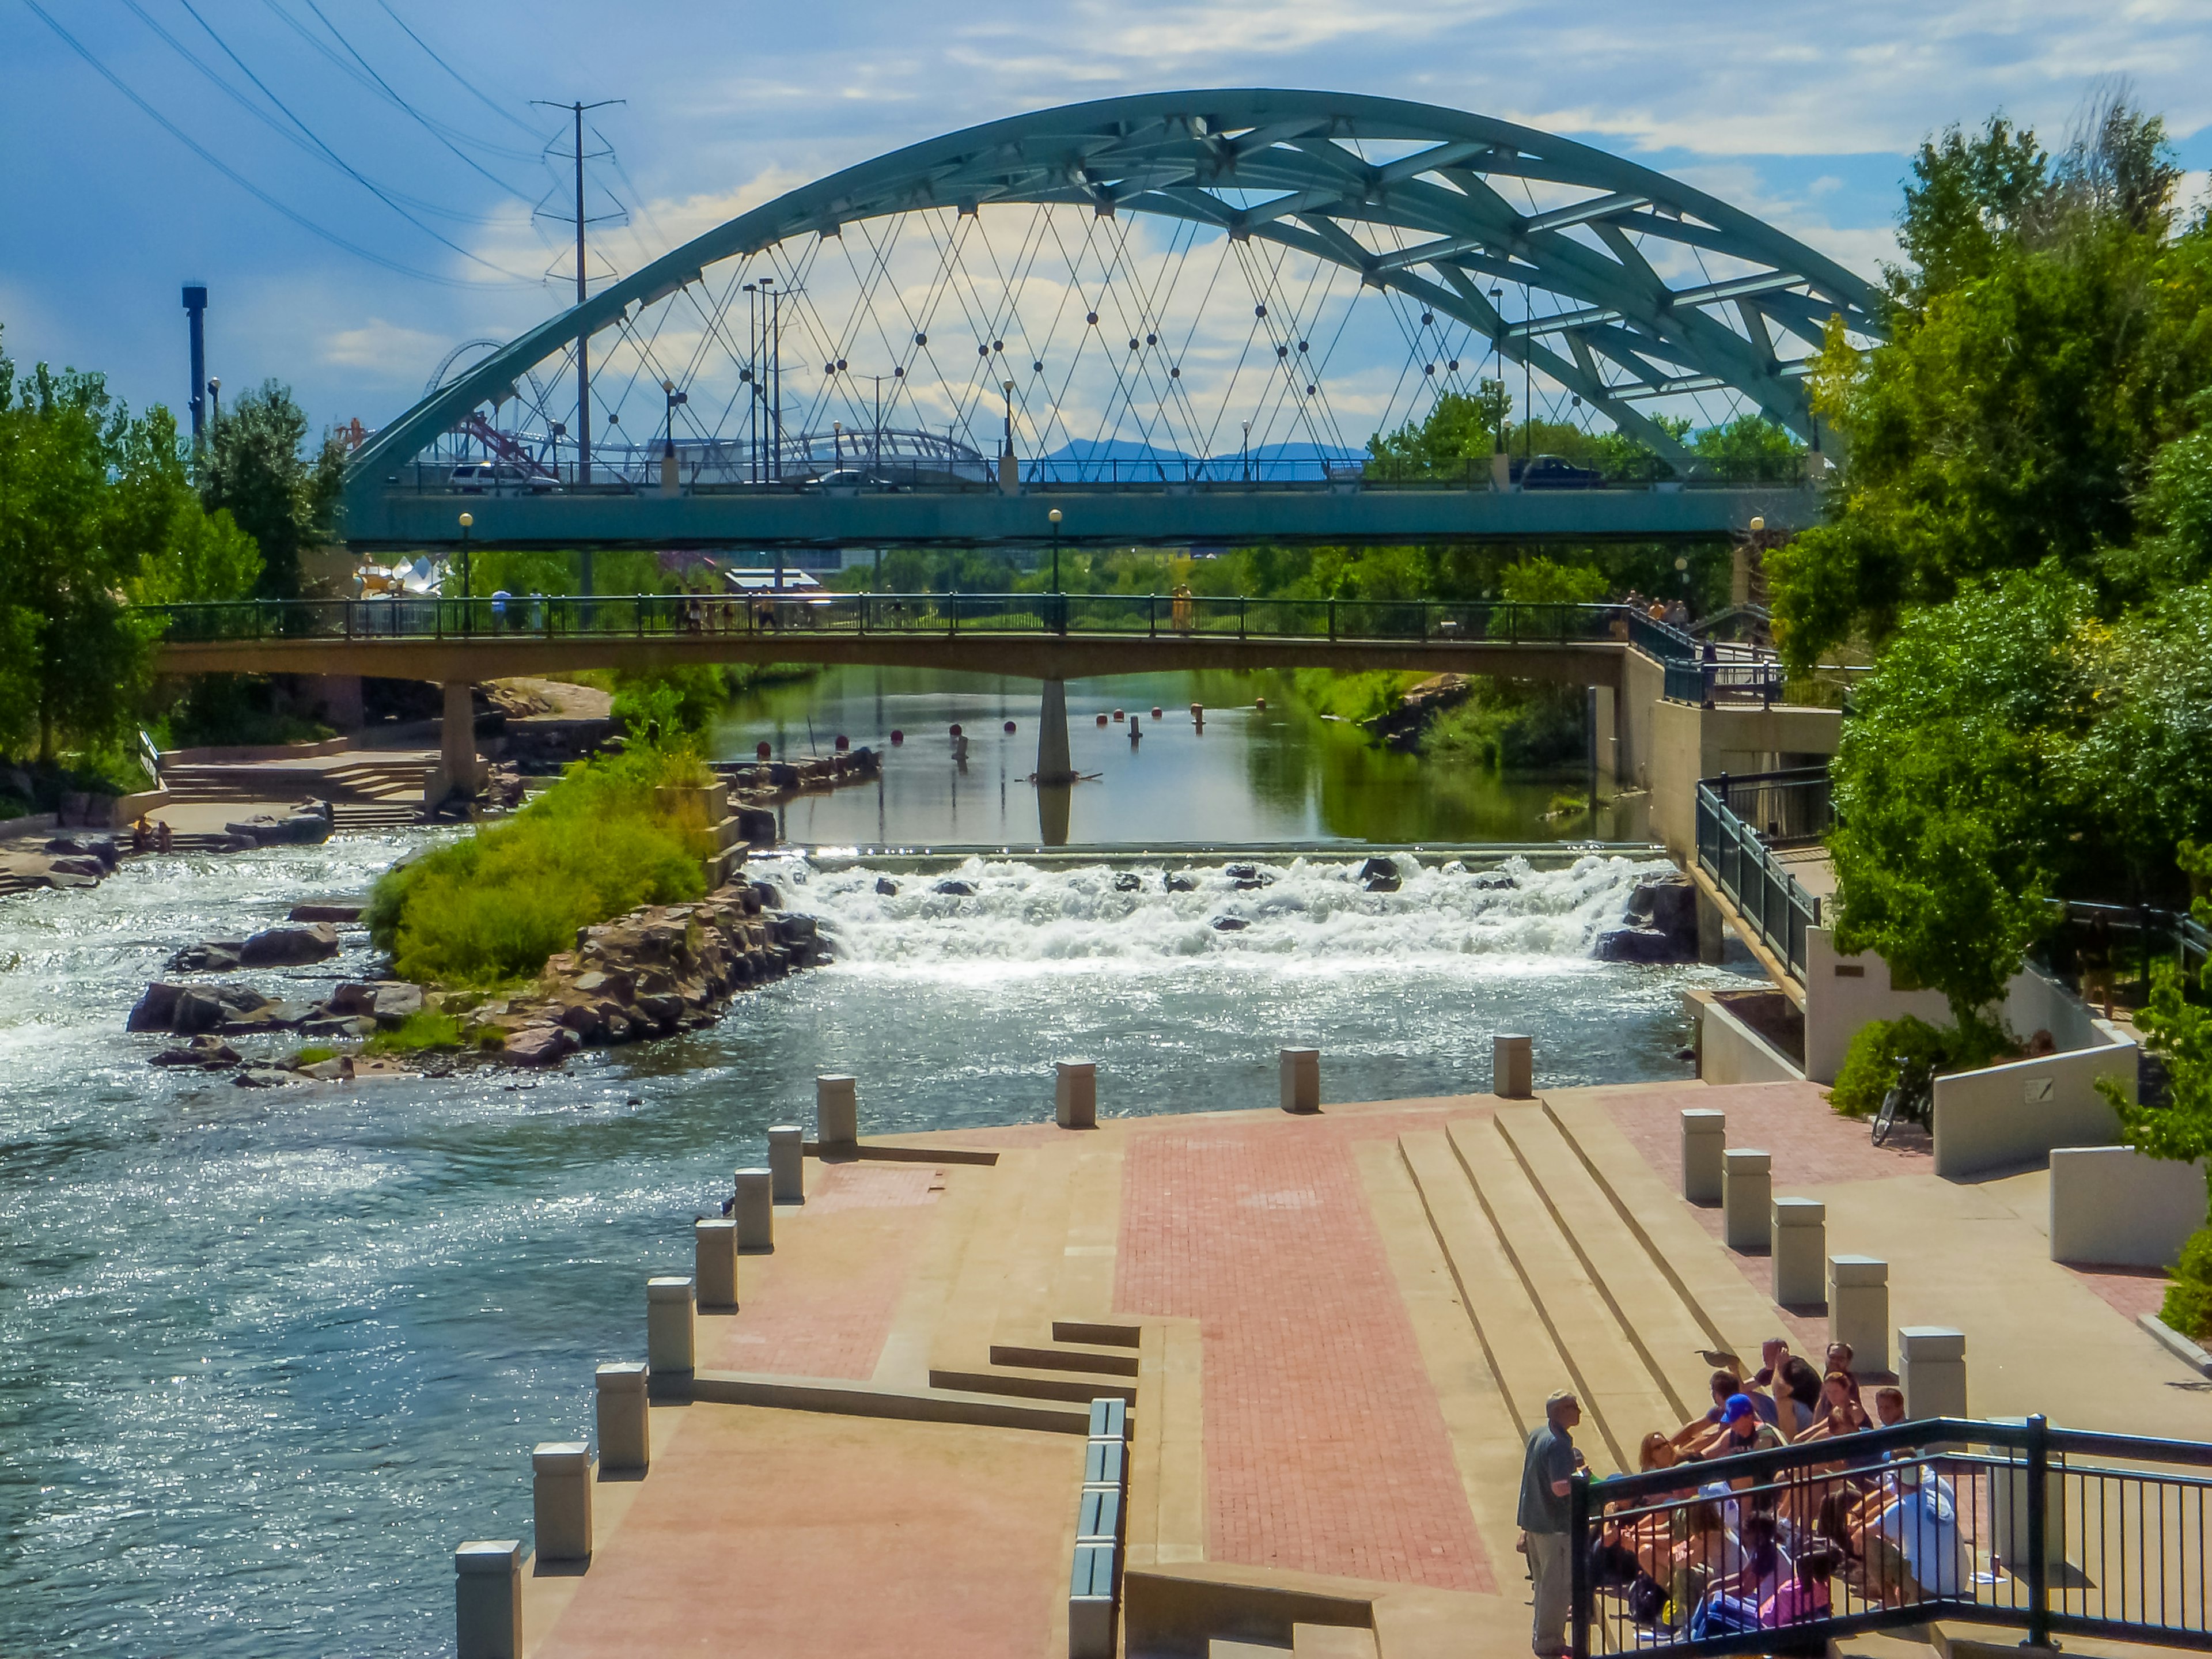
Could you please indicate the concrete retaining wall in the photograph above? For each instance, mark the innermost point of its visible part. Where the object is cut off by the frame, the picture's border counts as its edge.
(1845, 993)
(2114, 1206)
(2011, 1116)
(1730, 1051)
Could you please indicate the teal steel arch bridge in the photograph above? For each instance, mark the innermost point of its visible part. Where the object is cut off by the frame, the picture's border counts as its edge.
(1175, 317)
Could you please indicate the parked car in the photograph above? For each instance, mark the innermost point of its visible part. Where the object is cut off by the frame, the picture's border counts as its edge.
(1555, 472)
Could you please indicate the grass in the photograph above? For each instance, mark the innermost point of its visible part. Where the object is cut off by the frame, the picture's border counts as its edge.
(314, 1056)
(488, 910)
(418, 1032)
(1354, 697)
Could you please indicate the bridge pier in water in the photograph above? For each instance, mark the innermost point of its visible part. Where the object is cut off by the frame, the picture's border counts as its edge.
(457, 744)
(1053, 765)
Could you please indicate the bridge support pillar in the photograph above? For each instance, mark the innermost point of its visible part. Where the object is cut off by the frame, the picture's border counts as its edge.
(1052, 764)
(457, 742)
(1713, 944)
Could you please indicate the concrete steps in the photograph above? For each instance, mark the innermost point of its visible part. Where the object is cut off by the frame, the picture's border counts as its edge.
(1656, 1320)
(1619, 1392)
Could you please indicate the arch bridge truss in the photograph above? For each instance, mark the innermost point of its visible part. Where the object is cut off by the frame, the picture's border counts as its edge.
(1172, 293)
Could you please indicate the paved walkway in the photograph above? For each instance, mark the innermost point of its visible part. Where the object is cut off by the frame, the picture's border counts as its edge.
(1371, 1303)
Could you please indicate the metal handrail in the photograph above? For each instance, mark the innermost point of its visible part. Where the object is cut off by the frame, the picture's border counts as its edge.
(1737, 857)
(2084, 1532)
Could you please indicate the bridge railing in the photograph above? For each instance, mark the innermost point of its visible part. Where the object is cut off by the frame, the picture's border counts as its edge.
(1738, 855)
(1154, 614)
(2011, 1523)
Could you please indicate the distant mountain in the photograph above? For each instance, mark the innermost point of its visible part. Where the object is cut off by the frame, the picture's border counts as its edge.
(1128, 461)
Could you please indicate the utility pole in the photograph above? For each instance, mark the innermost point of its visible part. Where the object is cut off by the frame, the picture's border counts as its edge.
(583, 335)
(196, 313)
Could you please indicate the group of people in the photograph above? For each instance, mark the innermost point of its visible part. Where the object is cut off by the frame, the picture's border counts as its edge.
(1725, 1553)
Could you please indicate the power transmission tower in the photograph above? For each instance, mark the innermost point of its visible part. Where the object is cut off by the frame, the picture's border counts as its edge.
(583, 335)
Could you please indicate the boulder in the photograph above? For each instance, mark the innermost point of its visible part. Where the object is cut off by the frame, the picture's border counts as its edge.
(1383, 884)
(204, 1051)
(198, 1010)
(240, 999)
(664, 1009)
(765, 897)
(1128, 881)
(353, 997)
(1402, 727)
(1378, 866)
(1230, 924)
(1180, 881)
(1639, 945)
(1667, 905)
(886, 886)
(350, 1028)
(395, 1000)
(954, 889)
(267, 1017)
(155, 1009)
(290, 945)
(540, 1045)
(304, 829)
(1495, 881)
(212, 957)
(585, 1020)
(345, 914)
(78, 864)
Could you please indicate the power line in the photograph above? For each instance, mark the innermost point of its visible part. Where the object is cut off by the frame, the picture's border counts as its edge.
(224, 169)
(466, 86)
(356, 176)
(278, 127)
(428, 125)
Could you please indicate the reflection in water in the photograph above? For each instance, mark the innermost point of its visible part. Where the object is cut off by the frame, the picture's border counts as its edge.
(1239, 775)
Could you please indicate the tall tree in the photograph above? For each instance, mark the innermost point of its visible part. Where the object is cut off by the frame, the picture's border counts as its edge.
(256, 466)
(87, 493)
(2045, 339)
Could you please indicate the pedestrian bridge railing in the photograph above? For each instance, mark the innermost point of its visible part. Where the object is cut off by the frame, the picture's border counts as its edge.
(1741, 820)
(1148, 615)
(2011, 1523)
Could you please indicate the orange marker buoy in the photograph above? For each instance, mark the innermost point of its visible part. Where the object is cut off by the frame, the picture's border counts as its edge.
(955, 730)
(1118, 717)
(1010, 728)
(844, 743)
(1260, 703)
(1156, 712)
(897, 737)
(762, 751)
(1101, 719)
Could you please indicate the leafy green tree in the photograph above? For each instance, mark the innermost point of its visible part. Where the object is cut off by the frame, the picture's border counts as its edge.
(254, 465)
(204, 557)
(1460, 429)
(87, 495)
(2045, 340)
(1947, 812)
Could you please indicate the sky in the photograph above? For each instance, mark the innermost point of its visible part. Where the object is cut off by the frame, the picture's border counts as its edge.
(1804, 115)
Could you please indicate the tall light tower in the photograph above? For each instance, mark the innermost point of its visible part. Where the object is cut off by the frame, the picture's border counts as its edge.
(195, 311)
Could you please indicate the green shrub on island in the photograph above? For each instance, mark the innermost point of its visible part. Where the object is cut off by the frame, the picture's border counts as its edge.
(2188, 1305)
(488, 910)
(313, 1055)
(423, 1030)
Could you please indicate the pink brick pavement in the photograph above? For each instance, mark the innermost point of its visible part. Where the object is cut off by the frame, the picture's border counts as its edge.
(1325, 1448)
(1811, 1144)
(826, 1311)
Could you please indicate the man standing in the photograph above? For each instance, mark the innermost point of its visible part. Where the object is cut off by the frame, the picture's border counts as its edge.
(1544, 1473)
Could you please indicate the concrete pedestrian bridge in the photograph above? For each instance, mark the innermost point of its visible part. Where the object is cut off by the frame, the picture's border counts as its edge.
(1179, 317)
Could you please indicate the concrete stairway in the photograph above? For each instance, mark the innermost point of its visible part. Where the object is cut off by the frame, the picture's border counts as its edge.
(366, 790)
(1570, 1284)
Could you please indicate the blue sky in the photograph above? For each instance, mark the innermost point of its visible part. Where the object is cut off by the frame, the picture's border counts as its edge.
(1805, 114)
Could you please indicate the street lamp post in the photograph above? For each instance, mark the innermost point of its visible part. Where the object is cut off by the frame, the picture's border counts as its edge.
(468, 520)
(214, 399)
(668, 474)
(1245, 450)
(1059, 599)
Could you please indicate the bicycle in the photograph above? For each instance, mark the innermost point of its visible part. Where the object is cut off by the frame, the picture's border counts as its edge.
(1911, 1098)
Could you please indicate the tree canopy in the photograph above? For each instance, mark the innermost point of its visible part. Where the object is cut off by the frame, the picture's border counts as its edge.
(253, 466)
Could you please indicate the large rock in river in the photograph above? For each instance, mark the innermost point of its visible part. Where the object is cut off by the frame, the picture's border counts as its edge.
(290, 945)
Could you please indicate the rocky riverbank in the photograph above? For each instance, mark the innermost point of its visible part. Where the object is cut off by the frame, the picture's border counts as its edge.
(652, 972)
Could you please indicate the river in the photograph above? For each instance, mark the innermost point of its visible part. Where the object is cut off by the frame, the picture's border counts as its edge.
(265, 1356)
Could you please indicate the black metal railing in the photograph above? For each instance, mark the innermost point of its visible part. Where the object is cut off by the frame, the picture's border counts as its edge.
(1741, 675)
(2050, 1531)
(1736, 851)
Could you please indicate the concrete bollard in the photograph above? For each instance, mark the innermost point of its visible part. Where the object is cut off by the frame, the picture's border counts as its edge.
(1797, 1240)
(1931, 1365)
(487, 1599)
(836, 1113)
(787, 1164)
(669, 1317)
(2009, 1490)
(714, 1262)
(1704, 1138)
(754, 1209)
(1512, 1067)
(1075, 1094)
(1091, 1602)
(561, 1499)
(1858, 1309)
(1746, 1190)
(625, 1424)
(1301, 1070)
